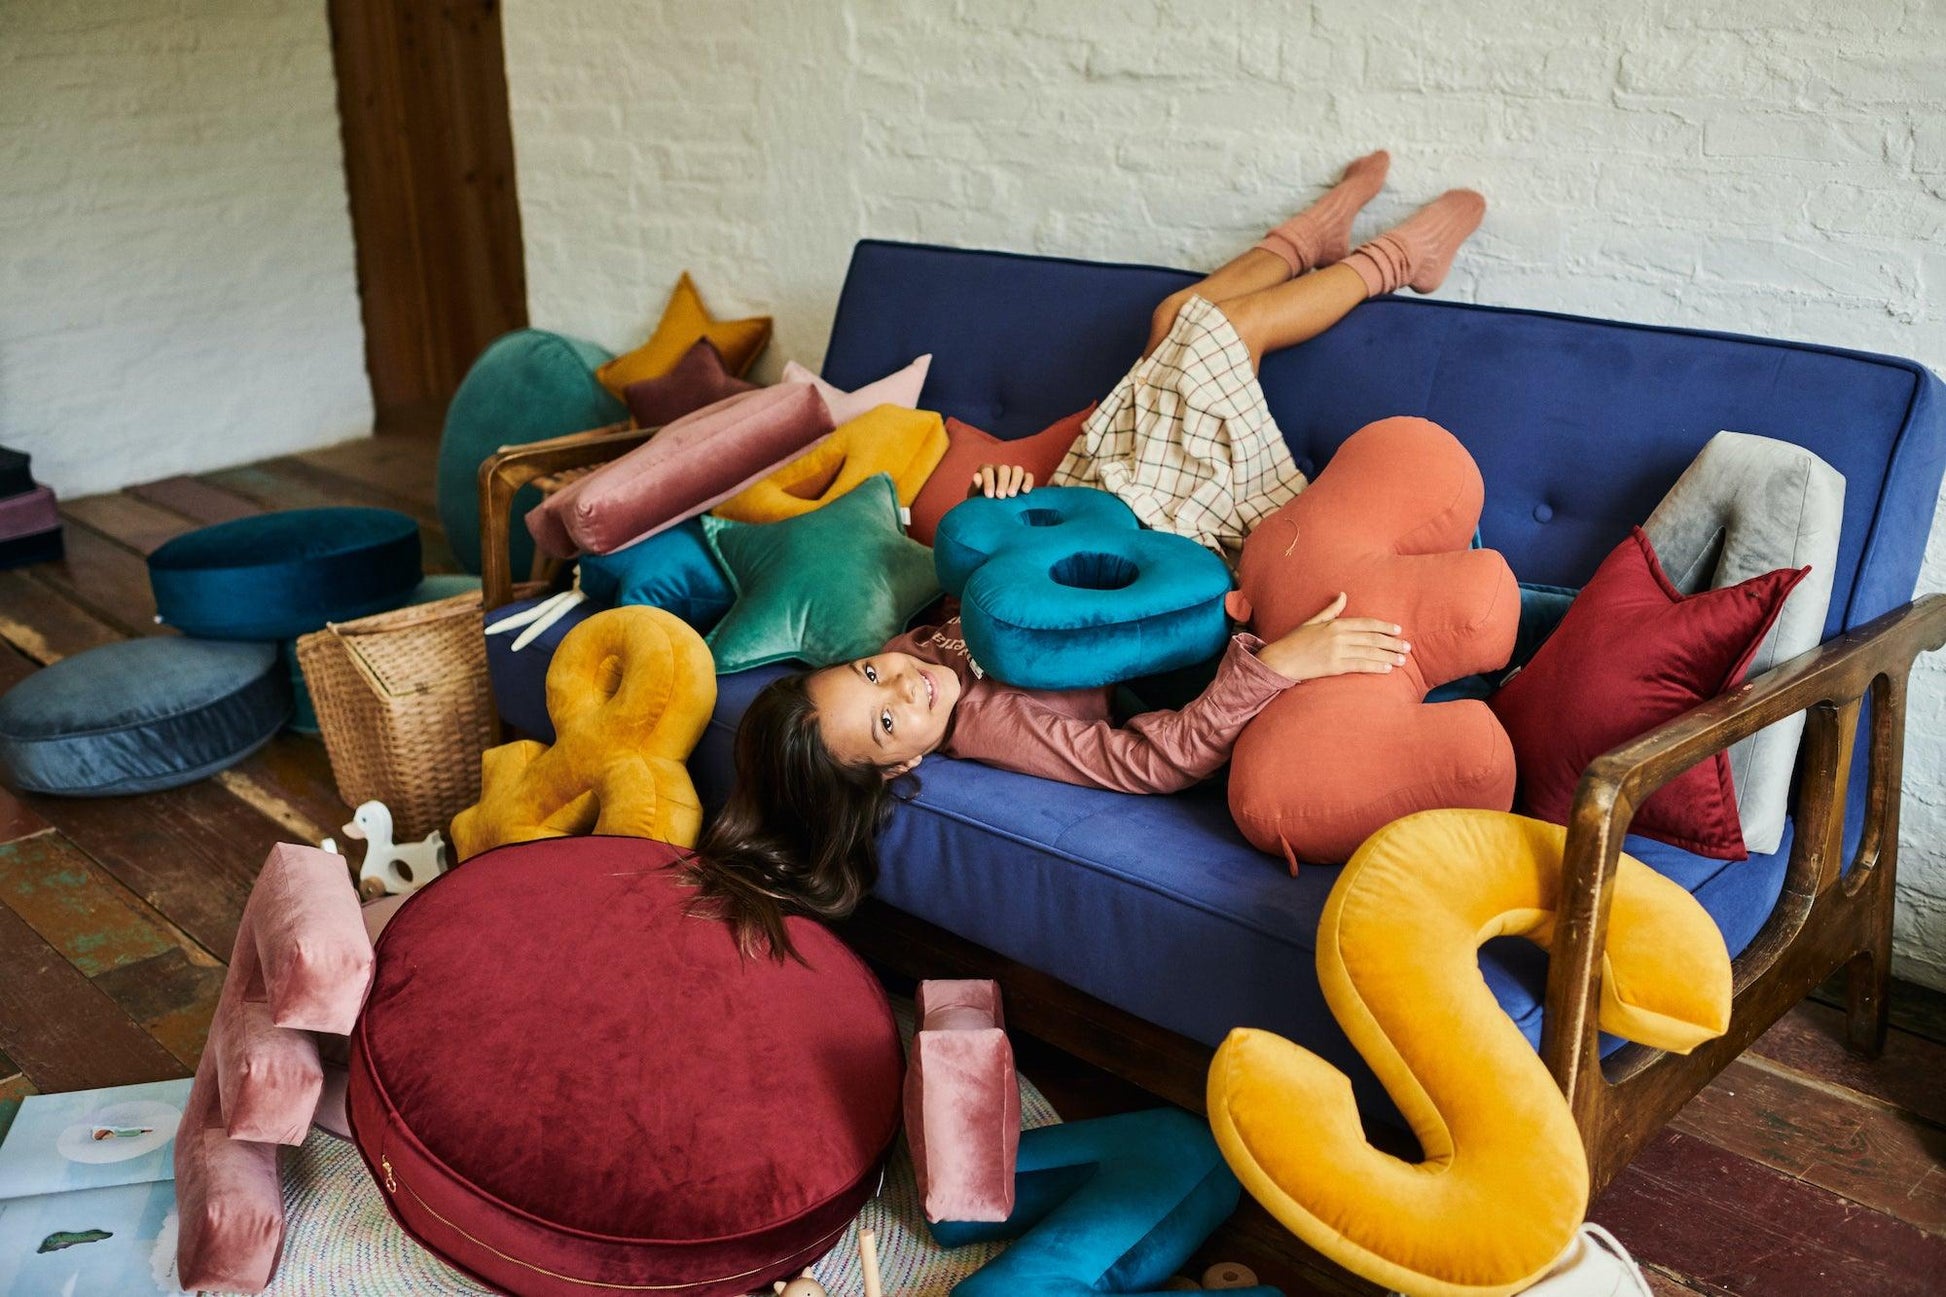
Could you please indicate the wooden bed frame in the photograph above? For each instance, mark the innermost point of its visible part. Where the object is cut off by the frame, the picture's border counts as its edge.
(1828, 916)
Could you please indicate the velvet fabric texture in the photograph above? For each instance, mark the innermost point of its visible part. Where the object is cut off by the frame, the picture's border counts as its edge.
(906, 445)
(692, 1118)
(1634, 652)
(229, 1203)
(696, 462)
(141, 715)
(527, 386)
(1389, 523)
(900, 387)
(686, 321)
(277, 575)
(629, 692)
(824, 587)
(1061, 588)
(1504, 1183)
(28, 514)
(962, 1102)
(1747, 506)
(700, 378)
(672, 569)
(968, 448)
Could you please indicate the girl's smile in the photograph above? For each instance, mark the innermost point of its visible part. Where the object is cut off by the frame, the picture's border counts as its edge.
(887, 710)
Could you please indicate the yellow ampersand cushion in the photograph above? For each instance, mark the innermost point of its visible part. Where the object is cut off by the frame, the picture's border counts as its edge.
(684, 322)
(907, 445)
(1504, 1184)
(629, 691)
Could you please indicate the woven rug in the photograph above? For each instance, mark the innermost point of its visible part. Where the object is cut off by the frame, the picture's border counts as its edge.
(339, 1239)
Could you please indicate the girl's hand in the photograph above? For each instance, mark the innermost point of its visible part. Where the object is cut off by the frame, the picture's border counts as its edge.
(1330, 645)
(1001, 481)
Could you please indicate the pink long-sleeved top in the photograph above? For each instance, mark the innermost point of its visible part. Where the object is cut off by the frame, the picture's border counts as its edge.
(1070, 735)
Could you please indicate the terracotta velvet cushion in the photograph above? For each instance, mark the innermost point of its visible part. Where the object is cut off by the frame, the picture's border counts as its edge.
(1632, 653)
(618, 1100)
(900, 387)
(962, 1102)
(685, 321)
(697, 461)
(700, 378)
(1388, 522)
(967, 448)
(904, 444)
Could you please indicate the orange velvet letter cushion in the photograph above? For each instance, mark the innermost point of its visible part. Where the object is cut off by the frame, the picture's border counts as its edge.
(967, 448)
(906, 445)
(1388, 522)
(684, 321)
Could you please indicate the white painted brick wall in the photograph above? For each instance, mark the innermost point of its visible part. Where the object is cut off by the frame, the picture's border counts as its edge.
(1769, 166)
(177, 288)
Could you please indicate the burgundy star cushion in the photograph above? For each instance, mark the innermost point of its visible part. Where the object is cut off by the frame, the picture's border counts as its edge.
(1632, 653)
(700, 378)
(564, 1084)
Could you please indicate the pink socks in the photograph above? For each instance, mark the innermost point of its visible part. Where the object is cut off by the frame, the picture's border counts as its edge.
(1418, 252)
(1321, 233)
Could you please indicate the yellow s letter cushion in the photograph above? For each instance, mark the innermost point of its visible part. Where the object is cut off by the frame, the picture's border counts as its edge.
(629, 691)
(905, 444)
(684, 321)
(1505, 1182)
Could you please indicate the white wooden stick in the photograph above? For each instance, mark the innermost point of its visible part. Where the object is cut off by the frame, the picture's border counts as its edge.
(868, 1261)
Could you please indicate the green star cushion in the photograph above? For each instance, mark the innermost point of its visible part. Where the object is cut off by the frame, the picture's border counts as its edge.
(823, 587)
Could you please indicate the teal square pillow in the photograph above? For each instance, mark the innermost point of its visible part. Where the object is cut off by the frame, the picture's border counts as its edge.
(823, 587)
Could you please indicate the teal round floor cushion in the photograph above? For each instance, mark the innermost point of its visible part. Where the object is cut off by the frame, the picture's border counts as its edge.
(527, 385)
(1062, 588)
(277, 575)
(141, 715)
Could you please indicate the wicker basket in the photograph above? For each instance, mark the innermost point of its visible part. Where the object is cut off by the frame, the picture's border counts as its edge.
(405, 707)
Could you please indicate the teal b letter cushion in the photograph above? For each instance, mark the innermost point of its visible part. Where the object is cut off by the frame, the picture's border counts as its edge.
(141, 715)
(527, 385)
(1061, 588)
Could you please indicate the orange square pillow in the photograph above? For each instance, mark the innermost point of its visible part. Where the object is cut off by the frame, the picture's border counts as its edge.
(967, 448)
(684, 321)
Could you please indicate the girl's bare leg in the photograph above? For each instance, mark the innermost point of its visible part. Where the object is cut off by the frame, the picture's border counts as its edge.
(1252, 272)
(1294, 311)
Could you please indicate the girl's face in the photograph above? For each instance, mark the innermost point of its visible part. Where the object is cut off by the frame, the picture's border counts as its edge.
(887, 710)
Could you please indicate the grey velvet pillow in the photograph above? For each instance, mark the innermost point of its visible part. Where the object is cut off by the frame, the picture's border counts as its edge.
(1746, 506)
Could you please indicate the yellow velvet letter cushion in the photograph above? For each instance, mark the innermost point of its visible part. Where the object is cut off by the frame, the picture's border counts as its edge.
(629, 691)
(906, 445)
(684, 321)
(1504, 1183)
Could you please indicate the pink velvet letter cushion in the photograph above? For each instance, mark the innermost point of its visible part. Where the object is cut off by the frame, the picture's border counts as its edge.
(902, 387)
(962, 1103)
(230, 1206)
(688, 468)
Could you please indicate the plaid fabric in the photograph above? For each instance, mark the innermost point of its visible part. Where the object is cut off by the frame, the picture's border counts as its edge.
(1186, 440)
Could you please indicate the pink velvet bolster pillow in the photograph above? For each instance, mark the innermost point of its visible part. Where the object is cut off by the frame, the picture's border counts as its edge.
(900, 387)
(230, 1207)
(962, 1103)
(688, 468)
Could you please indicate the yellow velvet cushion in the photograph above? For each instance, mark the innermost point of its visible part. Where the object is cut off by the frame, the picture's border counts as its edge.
(629, 691)
(905, 444)
(684, 321)
(1505, 1181)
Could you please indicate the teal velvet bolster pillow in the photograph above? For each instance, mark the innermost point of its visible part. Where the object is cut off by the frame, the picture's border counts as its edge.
(823, 587)
(527, 385)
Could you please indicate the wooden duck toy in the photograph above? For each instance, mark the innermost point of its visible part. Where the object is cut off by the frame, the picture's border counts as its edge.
(802, 1286)
(391, 868)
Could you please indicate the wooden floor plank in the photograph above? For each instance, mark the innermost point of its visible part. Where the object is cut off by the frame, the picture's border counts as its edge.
(403, 466)
(200, 501)
(17, 819)
(1910, 1075)
(63, 1030)
(128, 520)
(1877, 1158)
(109, 580)
(75, 907)
(1917, 1009)
(47, 626)
(289, 780)
(12, 1091)
(1727, 1225)
(172, 996)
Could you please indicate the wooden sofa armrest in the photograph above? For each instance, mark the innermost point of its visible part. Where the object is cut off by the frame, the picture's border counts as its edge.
(1829, 682)
(509, 469)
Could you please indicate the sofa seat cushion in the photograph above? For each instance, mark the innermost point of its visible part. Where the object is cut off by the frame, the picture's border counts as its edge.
(1157, 905)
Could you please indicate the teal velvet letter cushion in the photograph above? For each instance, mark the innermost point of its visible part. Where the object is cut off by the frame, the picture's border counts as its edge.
(276, 575)
(141, 715)
(1061, 588)
(527, 385)
(823, 587)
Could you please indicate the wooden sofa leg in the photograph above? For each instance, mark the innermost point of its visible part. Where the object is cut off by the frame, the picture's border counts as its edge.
(1868, 979)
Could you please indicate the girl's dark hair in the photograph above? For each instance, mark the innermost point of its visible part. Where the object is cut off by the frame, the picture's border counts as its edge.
(798, 834)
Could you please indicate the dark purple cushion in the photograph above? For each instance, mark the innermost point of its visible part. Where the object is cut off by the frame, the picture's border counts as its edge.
(700, 378)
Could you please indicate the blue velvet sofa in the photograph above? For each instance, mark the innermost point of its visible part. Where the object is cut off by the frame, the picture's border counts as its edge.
(1137, 931)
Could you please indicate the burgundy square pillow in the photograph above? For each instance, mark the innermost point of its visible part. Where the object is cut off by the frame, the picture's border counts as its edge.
(968, 447)
(700, 378)
(1632, 653)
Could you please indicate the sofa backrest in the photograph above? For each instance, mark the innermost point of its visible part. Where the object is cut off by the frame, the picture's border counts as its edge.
(1579, 425)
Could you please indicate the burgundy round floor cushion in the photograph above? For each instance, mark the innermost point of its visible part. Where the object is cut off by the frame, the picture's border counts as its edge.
(564, 1085)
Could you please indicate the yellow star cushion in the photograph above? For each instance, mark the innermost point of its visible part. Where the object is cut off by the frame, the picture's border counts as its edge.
(684, 321)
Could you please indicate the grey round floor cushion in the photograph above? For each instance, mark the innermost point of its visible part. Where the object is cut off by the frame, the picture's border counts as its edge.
(141, 715)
